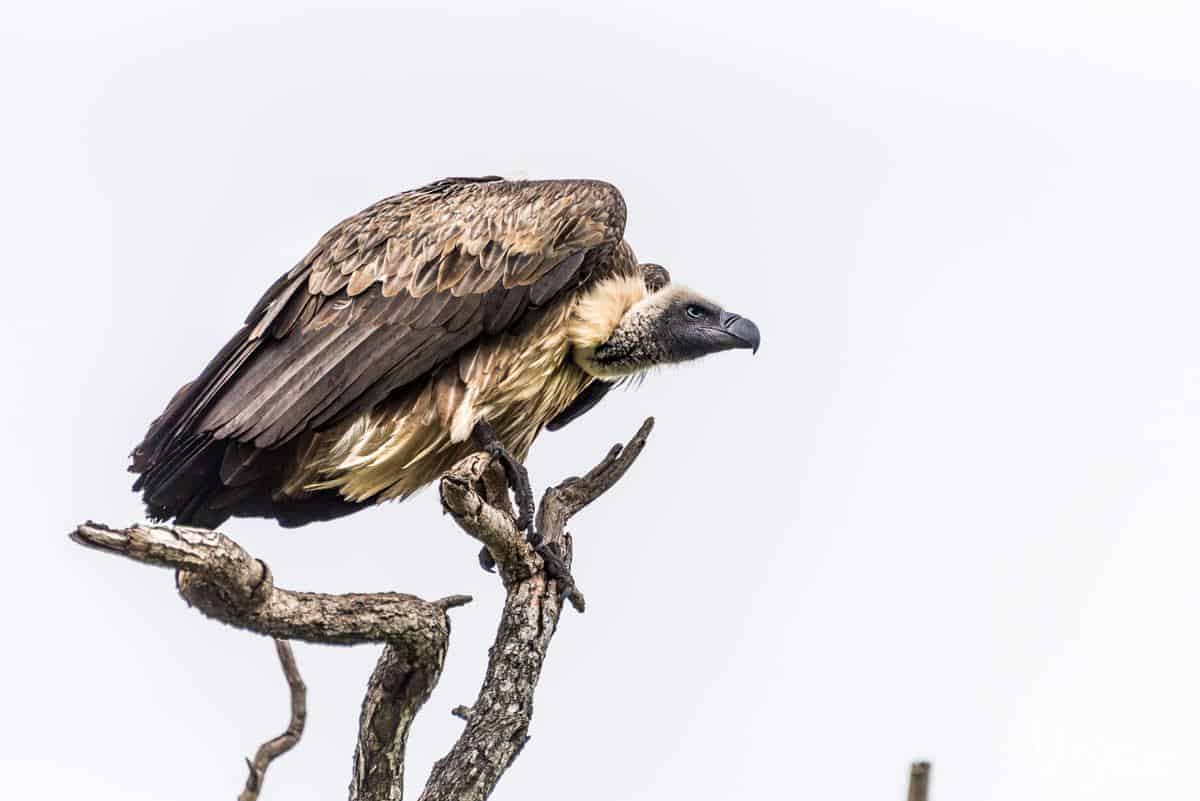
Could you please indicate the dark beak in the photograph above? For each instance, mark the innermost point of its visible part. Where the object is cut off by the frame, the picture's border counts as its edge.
(741, 329)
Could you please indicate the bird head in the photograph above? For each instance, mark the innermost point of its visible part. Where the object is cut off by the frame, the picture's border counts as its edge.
(654, 322)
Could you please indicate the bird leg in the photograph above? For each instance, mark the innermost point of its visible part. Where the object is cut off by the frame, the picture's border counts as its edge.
(518, 479)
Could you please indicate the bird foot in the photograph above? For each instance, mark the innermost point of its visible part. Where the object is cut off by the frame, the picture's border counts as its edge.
(556, 569)
(518, 481)
(552, 563)
(514, 472)
(486, 560)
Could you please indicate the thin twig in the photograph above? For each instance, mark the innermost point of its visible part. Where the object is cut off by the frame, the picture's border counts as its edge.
(277, 746)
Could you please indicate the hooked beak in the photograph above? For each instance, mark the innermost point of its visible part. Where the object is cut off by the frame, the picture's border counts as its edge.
(740, 329)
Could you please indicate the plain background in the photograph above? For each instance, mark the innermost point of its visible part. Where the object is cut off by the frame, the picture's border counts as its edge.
(949, 511)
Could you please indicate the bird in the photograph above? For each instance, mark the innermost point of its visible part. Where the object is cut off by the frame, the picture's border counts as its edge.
(468, 314)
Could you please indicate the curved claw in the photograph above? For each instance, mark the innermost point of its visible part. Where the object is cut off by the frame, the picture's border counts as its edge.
(518, 481)
(525, 521)
(486, 561)
(557, 570)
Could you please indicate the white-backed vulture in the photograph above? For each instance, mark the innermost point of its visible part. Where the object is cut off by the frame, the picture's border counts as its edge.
(468, 313)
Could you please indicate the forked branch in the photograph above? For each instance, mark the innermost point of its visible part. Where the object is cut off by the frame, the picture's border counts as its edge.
(226, 583)
(498, 721)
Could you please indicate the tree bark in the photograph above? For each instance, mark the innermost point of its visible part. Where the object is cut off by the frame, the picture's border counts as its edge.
(223, 581)
(498, 722)
(918, 781)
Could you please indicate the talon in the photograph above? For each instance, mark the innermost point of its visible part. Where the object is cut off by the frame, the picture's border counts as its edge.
(486, 561)
(518, 480)
(556, 569)
(514, 472)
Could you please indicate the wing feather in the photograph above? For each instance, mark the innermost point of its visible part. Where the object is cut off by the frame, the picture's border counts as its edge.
(463, 310)
(553, 282)
(454, 266)
(381, 299)
(430, 309)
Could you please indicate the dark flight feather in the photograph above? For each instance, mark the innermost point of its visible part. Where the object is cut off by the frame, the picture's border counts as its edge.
(380, 300)
(592, 394)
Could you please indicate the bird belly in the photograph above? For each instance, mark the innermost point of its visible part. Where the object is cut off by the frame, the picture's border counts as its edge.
(516, 382)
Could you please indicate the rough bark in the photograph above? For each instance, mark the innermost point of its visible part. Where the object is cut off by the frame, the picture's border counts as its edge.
(918, 781)
(400, 685)
(498, 722)
(222, 580)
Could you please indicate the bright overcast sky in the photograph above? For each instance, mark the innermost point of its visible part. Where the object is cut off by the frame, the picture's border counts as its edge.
(949, 511)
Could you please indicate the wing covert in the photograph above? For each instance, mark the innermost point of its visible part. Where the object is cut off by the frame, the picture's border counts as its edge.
(385, 296)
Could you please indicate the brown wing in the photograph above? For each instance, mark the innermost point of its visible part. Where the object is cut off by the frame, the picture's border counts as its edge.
(383, 297)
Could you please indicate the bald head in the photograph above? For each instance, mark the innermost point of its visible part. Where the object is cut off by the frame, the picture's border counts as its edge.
(668, 325)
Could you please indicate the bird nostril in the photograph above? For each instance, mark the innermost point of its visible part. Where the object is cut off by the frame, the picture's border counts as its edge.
(731, 319)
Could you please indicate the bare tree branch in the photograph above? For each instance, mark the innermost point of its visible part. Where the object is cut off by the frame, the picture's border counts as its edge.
(277, 746)
(226, 583)
(399, 686)
(498, 722)
(918, 781)
(222, 580)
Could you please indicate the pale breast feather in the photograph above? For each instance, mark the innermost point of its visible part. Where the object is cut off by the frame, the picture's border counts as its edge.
(383, 298)
(516, 381)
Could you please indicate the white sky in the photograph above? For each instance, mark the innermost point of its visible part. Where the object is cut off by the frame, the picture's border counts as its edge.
(948, 512)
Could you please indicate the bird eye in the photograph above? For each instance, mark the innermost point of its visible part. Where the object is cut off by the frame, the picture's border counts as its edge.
(695, 312)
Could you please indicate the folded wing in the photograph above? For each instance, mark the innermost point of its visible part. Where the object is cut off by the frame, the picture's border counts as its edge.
(383, 298)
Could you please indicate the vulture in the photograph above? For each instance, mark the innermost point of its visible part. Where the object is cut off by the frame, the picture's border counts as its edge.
(464, 315)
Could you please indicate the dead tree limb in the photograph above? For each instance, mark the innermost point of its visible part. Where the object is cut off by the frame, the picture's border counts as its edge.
(918, 781)
(498, 720)
(277, 746)
(222, 580)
